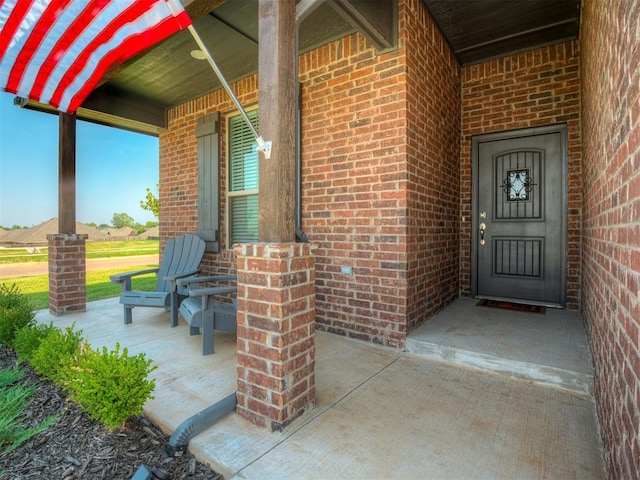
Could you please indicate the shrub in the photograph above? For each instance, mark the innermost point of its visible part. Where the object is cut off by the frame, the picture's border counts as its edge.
(28, 339)
(15, 312)
(14, 399)
(111, 386)
(57, 348)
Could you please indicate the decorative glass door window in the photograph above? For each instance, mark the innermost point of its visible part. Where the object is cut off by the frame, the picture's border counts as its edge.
(517, 185)
(518, 176)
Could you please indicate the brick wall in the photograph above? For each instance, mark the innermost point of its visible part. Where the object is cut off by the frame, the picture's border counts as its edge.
(380, 162)
(276, 333)
(610, 45)
(433, 167)
(534, 88)
(67, 273)
(380, 178)
(354, 177)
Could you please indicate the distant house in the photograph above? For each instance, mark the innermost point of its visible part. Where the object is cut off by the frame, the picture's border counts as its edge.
(128, 233)
(37, 236)
(122, 232)
(151, 234)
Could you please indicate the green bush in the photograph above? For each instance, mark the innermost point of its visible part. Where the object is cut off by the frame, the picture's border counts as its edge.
(28, 339)
(14, 399)
(56, 350)
(111, 386)
(15, 312)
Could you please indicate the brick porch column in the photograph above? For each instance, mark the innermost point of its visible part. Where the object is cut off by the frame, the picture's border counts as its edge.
(276, 332)
(67, 273)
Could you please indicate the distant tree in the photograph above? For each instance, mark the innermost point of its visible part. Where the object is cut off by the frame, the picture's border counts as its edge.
(122, 220)
(138, 227)
(151, 202)
(17, 227)
(149, 225)
(104, 226)
(92, 224)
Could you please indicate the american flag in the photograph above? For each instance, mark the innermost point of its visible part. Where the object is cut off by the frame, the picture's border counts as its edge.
(56, 51)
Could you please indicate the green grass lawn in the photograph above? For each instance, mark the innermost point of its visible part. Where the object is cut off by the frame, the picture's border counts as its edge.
(99, 285)
(93, 249)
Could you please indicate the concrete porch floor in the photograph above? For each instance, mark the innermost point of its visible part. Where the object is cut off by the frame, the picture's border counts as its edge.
(435, 411)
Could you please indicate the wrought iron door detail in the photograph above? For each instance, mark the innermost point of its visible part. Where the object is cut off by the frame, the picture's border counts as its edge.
(517, 185)
(518, 257)
(518, 178)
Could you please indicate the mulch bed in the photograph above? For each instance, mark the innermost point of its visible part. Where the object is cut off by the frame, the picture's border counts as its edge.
(76, 447)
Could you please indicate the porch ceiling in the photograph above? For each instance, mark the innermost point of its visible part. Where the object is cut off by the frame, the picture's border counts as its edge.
(478, 30)
(137, 94)
(168, 75)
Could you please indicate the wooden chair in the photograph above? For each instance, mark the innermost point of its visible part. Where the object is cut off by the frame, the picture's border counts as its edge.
(181, 258)
(204, 314)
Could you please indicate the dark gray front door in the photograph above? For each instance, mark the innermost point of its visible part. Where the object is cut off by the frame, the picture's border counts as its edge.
(519, 215)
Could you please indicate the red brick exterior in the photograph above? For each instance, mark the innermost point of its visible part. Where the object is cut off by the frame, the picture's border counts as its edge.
(67, 273)
(432, 166)
(530, 89)
(610, 45)
(379, 173)
(380, 176)
(276, 333)
(354, 187)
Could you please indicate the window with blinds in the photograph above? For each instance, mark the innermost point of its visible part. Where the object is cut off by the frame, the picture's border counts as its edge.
(243, 180)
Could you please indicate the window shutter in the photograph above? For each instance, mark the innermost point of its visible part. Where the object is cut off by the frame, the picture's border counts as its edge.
(208, 135)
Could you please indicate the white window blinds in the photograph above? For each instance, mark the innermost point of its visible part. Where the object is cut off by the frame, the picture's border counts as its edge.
(243, 180)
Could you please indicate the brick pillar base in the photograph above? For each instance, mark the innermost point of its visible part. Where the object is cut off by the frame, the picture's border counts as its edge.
(276, 332)
(67, 273)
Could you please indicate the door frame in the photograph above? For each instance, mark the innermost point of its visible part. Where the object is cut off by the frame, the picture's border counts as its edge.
(506, 135)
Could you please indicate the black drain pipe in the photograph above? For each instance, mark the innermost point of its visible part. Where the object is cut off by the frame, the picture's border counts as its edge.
(195, 424)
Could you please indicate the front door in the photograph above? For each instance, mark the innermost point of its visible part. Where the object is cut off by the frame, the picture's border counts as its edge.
(519, 215)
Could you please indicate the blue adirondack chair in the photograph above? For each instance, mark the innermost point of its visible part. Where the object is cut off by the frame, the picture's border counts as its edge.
(203, 313)
(181, 258)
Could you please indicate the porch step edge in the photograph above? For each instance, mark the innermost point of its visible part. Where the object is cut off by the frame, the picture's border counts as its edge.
(574, 382)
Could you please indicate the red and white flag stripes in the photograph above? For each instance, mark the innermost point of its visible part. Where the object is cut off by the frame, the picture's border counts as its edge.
(56, 51)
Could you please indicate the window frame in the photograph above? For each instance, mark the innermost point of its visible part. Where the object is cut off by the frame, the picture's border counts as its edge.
(230, 195)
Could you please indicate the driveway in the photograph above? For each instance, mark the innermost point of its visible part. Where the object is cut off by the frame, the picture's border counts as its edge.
(11, 270)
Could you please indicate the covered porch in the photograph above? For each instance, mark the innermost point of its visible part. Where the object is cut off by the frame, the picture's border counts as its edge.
(458, 404)
(396, 247)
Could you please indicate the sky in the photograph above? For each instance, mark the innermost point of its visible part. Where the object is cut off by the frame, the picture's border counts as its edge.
(114, 168)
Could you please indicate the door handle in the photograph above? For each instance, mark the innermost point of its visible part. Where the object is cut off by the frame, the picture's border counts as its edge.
(483, 227)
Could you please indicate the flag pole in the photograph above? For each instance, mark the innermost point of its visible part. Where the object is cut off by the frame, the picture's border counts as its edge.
(263, 146)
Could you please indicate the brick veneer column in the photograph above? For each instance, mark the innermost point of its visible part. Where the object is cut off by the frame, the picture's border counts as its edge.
(67, 273)
(276, 332)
